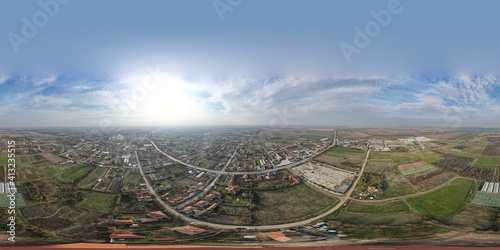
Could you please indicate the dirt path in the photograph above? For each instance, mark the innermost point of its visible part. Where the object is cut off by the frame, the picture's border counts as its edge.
(46, 217)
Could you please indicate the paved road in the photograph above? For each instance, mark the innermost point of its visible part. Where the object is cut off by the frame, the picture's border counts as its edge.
(193, 221)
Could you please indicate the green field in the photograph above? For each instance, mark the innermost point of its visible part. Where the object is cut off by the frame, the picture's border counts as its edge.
(488, 161)
(487, 199)
(399, 157)
(5, 200)
(50, 170)
(131, 180)
(76, 172)
(27, 158)
(4, 158)
(290, 204)
(481, 218)
(380, 207)
(103, 202)
(444, 201)
(92, 176)
(397, 185)
(416, 170)
(472, 152)
(336, 151)
(379, 219)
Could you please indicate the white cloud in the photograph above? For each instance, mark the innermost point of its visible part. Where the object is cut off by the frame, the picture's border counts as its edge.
(40, 100)
(3, 79)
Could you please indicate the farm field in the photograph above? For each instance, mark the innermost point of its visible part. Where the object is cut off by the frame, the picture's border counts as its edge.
(332, 178)
(487, 199)
(444, 201)
(328, 159)
(428, 179)
(76, 172)
(52, 157)
(131, 180)
(4, 158)
(337, 150)
(417, 170)
(290, 204)
(488, 161)
(481, 218)
(28, 158)
(5, 200)
(462, 166)
(396, 184)
(493, 147)
(89, 180)
(50, 170)
(400, 157)
(97, 201)
(380, 207)
(366, 219)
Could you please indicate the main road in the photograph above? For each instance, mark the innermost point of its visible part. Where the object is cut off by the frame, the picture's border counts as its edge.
(193, 221)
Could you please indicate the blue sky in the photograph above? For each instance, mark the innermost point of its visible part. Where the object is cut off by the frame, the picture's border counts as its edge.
(99, 63)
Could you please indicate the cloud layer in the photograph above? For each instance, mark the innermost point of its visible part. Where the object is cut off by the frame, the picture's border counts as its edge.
(164, 99)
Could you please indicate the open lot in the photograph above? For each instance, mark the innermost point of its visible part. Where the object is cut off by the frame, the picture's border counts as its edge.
(50, 170)
(444, 201)
(290, 204)
(487, 199)
(76, 172)
(382, 207)
(332, 178)
(4, 200)
(488, 161)
(328, 159)
(4, 158)
(92, 177)
(393, 219)
(481, 218)
(97, 201)
(493, 147)
(131, 180)
(418, 164)
(400, 157)
(396, 185)
(52, 157)
(28, 158)
(337, 150)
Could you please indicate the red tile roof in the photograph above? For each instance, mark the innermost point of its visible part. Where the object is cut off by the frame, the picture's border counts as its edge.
(126, 236)
(189, 230)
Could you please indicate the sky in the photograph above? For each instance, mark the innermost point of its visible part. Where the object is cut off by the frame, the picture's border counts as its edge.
(249, 62)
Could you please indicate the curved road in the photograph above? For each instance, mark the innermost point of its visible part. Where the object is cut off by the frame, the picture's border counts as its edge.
(172, 211)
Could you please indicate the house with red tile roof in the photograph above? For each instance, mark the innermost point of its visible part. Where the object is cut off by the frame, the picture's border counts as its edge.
(190, 230)
(157, 215)
(201, 203)
(126, 236)
(126, 222)
(188, 209)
